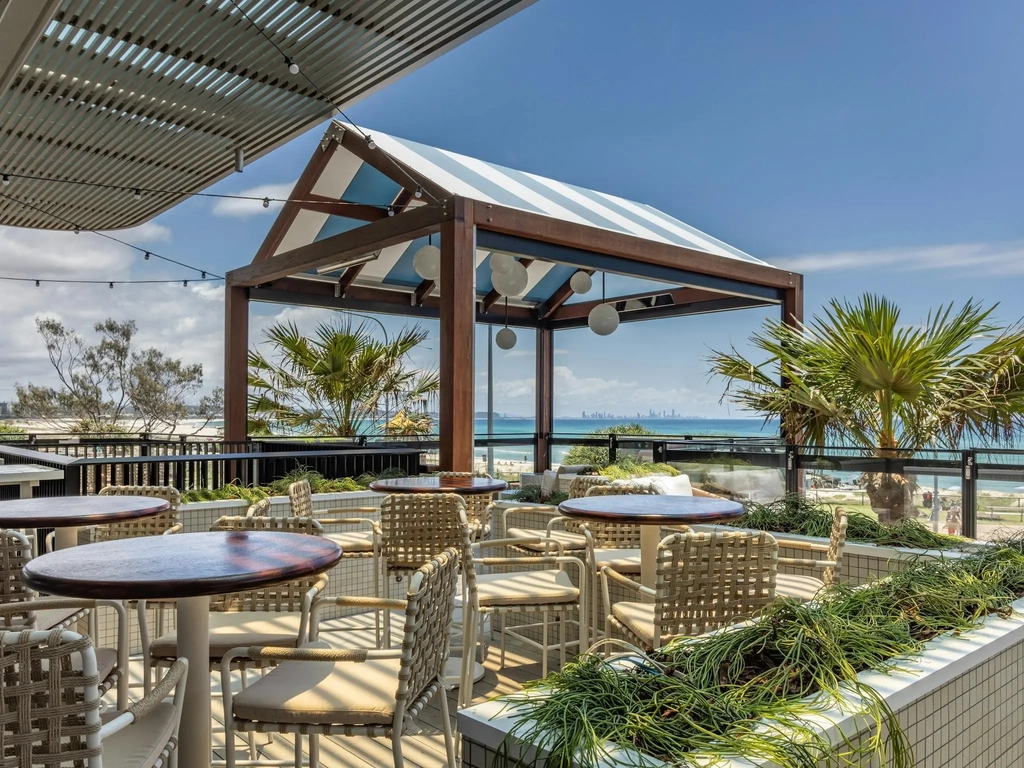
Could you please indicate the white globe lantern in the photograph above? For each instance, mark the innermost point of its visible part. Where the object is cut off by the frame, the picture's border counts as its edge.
(505, 338)
(427, 262)
(502, 263)
(580, 282)
(512, 283)
(603, 319)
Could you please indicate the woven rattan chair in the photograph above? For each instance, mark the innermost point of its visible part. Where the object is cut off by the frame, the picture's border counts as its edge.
(705, 581)
(479, 506)
(415, 527)
(805, 587)
(277, 615)
(544, 587)
(564, 531)
(50, 708)
(260, 508)
(22, 608)
(154, 525)
(316, 690)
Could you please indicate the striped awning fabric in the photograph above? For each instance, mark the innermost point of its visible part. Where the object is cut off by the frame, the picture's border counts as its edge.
(159, 94)
(348, 178)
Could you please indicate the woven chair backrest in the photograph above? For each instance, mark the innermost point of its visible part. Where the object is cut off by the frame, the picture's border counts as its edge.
(301, 497)
(616, 535)
(416, 526)
(836, 544)
(260, 508)
(478, 505)
(154, 525)
(15, 552)
(428, 621)
(277, 597)
(580, 484)
(706, 581)
(49, 710)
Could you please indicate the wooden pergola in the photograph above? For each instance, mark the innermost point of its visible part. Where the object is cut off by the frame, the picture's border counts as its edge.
(367, 206)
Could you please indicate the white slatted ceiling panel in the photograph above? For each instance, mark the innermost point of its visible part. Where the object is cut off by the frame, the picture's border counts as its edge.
(158, 93)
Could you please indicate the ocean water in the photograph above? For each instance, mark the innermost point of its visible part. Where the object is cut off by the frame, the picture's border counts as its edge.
(513, 427)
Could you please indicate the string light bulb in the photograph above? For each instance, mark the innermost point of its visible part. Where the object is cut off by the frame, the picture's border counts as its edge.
(184, 283)
(239, 159)
(418, 193)
(266, 202)
(111, 284)
(37, 283)
(203, 274)
(146, 257)
(78, 230)
(292, 66)
(391, 210)
(137, 194)
(6, 180)
(370, 142)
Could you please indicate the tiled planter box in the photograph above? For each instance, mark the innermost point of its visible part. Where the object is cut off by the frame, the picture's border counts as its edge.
(349, 577)
(960, 704)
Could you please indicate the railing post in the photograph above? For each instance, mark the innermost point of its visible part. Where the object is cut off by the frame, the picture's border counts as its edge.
(612, 445)
(792, 470)
(969, 494)
(660, 449)
(72, 480)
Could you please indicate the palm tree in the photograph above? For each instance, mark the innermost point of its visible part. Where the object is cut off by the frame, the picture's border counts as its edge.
(858, 376)
(340, 382)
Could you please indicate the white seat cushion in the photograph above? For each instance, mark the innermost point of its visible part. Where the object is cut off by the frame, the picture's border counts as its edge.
(802, 588)
(527, 588)
(323, 693)
(352, 541)
(238, 629)
(140, 744)
(621, 560)
(569, 541)
(638, 618)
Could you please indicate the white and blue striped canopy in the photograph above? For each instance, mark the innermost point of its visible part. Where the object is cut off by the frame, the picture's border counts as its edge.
(350, 179)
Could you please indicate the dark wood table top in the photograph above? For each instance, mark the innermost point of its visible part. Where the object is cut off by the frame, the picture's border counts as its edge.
(463, 485)
(71, 511)
(181, 565)
(651, 510)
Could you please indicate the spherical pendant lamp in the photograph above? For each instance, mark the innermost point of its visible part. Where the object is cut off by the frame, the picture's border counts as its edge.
(427, 262)
(505, 338)
(512, 283)
(603, 319)
(580, 282)
(502, 263)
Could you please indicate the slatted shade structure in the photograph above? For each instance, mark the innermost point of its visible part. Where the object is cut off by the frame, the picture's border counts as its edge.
(159, 94)
(368, 209)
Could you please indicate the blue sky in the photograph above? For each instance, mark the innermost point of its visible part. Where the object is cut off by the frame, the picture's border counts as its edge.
(872, 146)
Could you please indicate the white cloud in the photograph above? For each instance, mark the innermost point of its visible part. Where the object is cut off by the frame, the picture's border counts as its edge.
(979, 258)
(243, 209)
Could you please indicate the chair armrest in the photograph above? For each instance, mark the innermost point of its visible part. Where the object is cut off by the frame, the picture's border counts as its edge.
(174, 679)
(350, 601)
(45, 603)
(176, 528)
(308, 601)
(517, 542)
(796, 562)
(540, 509)
(270, 653)
(610, 573)
(807, 546)
(553, 520)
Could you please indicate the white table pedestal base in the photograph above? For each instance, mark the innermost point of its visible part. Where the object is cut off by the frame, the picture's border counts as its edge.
(453, 672)
(64, 538)
(650, 535)
(194, 746)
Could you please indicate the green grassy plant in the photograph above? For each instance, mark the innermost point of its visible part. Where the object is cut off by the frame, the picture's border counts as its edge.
(748, 691)
(798, 514)
(317, 483)
(627, 468)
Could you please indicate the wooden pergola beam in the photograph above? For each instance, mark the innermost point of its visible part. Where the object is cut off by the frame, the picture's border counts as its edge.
(322, 204)
(374, 236)
(558, 298)
(545, 229)
(492, 296)
(678, 295)
(303, 187)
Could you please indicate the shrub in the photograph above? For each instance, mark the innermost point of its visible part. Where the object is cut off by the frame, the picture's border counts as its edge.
(6, 428)
(597, 454)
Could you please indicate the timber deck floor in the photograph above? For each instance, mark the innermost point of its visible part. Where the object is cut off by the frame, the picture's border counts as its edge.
(423, 749)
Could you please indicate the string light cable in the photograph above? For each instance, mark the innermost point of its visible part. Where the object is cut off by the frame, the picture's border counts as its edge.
(293, 68)
(111, 283)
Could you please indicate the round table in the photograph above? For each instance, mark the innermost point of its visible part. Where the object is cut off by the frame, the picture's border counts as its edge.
(66, 514)
(460, 485)
(650, 513)
(189, 567)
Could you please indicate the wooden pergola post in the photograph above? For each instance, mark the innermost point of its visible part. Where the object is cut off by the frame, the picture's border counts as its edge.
(545, 420)
(793, 315)
(236, 369)
(458, 316)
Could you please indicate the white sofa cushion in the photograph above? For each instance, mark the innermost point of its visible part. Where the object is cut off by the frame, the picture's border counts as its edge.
(663, 484)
